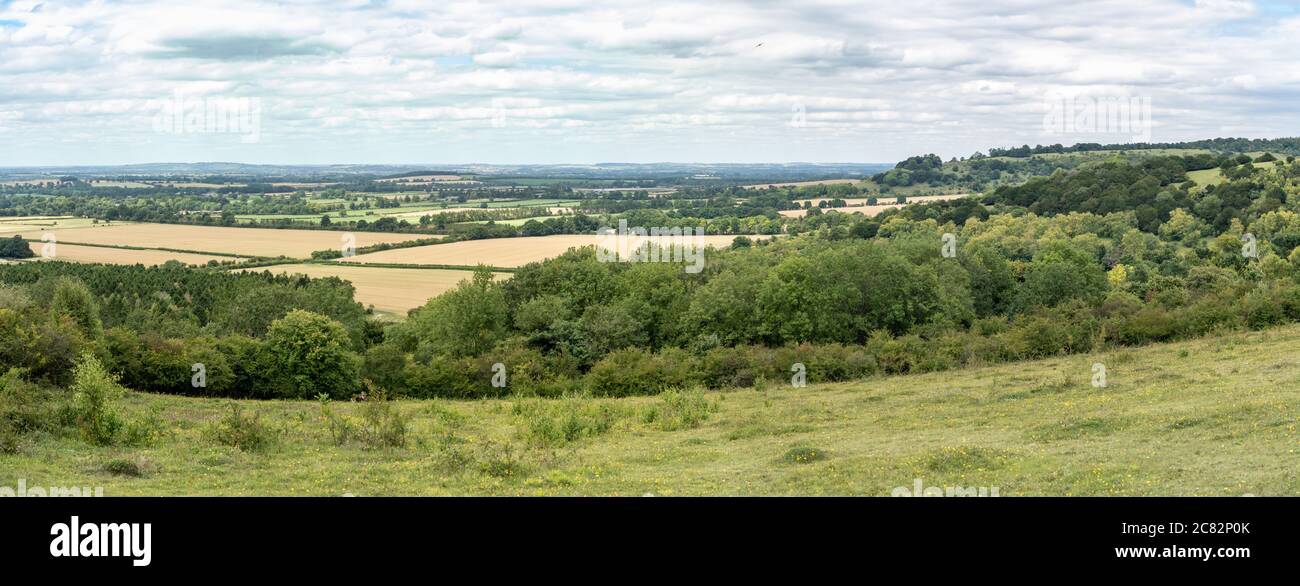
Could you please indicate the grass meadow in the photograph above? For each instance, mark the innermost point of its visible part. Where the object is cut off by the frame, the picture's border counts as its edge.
(1215, 416)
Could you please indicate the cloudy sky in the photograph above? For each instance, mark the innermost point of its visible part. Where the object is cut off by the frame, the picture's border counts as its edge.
(576, 81)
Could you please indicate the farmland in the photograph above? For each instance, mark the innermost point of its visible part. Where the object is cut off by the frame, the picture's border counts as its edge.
(110, 255)
(499, 252)
(10, 226)
(1215, 176)
(971, 370)
(1213, 417)
(216, 239)
(860, 205)
(392, 291)
(805, 183)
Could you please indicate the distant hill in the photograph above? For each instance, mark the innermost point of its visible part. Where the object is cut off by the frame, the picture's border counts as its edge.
(727, 171)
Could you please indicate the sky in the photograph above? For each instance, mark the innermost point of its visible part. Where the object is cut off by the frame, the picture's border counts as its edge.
(577, 81)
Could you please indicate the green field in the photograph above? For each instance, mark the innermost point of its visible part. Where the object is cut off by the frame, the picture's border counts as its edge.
(362, 214)
(1215, 176)
(515, 222)
(1216, 416)
(526, 203)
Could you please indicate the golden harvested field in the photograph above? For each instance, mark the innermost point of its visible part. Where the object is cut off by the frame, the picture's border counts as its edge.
(498, 252)
(875, 209)
(10, 226)
(21, 219)
(804, 183)
(853, 201)
(389, 290)
(122, 256)
(242, 241)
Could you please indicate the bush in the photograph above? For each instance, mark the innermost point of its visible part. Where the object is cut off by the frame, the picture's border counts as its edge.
(10, 439)
(310, 356)
(726, 367)
(237, 430)
(144, 431)
(382, 423)
(532, 373)
(1210, 314)
(1038, 337)
(340, 427)
(1263, 308)
(893, 355)
(28, 408)
(15, 247)
(679, 409)
(94, 391)
(553, 423)
(449, 378)
(135, 467)
(635, 371)
(1150, 324)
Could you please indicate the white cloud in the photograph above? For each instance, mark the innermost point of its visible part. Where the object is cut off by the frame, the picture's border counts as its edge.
(631, 80)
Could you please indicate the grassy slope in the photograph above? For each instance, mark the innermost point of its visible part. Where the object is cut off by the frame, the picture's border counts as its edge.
(1209, 417)
(1215, 176)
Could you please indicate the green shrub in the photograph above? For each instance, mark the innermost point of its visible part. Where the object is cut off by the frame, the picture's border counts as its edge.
(237, 430)
(635, 371)
(309, 354)
(679, 409)
(340, 427)
(1263, 308)
(553, 423)
(500, 460)
(1150, 324)
(10, 439)
(895, 355)
(726, 367)
(94, 391)
(532, 373)
(1210, 314)
(385, 366)
(144, 430)
(1039, 337)
(27, 407)
(133, 467)
(382, 423)
(441, 377)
